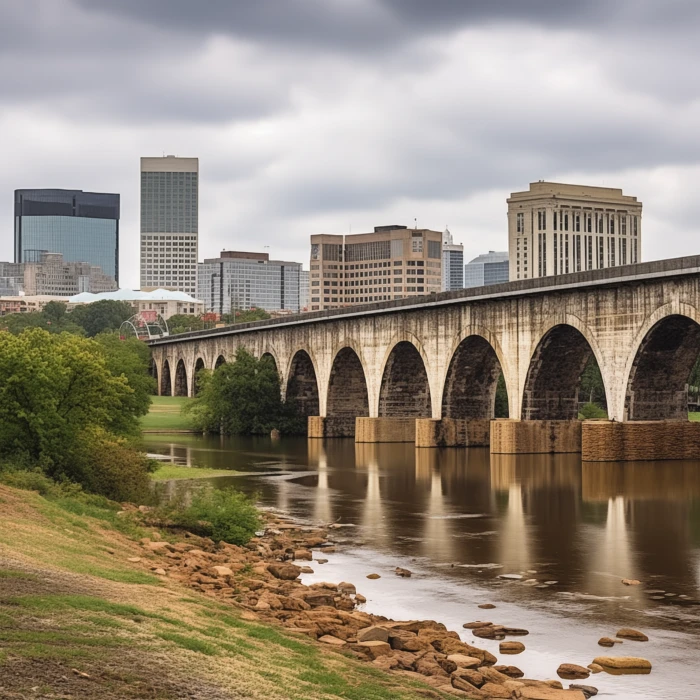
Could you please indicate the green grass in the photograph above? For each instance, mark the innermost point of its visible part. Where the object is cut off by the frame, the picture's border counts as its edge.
(11, 573)
(191, 643)
(165, 414)
(174, 471)
(694, 416)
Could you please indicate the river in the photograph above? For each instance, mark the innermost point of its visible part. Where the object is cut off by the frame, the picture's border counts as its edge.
(460, 518)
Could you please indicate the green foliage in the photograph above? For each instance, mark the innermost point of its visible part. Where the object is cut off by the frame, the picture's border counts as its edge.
(501, 407)
(184, 323)
(223, 514)
(592, 389)
(246, 316)
(592, 410)
(243, 398)
(52, 319)
(101, 316)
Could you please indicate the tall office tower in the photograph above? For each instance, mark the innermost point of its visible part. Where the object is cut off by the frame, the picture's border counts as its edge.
(169, 223)
(304, 290)
(485, 269)
(452, 263)
(554, 229)
(239, 281)
(82, 226)
(391, 263)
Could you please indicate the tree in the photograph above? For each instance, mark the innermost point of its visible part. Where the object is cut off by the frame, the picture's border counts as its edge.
(183, 323)
(243, 398)
(53, 319)
(591, 388)
(501, 407)
(100, 316)
(246, 316)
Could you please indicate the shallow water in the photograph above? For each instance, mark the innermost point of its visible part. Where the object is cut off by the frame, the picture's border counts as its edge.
(461, 518)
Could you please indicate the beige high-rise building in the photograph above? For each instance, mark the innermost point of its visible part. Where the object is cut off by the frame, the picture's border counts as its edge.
(554, 229)
(169, 223)
(391, 263)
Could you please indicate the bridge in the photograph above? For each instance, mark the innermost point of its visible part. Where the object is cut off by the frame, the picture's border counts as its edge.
(426, 369)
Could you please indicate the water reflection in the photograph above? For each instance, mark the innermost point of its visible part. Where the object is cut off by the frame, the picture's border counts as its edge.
(584, 525)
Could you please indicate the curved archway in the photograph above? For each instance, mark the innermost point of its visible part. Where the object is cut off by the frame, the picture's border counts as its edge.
(554, 375)
(153, 371)
(657, 387)
(270, 358)
(347, 394)
(472, 380)
(405, 390)
(198, 366)
(220, 360)
(302, 387)
(166, 386)
(180, 379)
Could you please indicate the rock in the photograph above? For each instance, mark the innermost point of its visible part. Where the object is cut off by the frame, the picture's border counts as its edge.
(133, 560)
(510, 671)
(595, 668)
(284, 570)
(572, 672)
(510, 577)
(447, 666)
(275, 434)
(545, 692)
(316, 599)
(628, 633)
(313, 542)
(373, 634)
(262, 605)
(333, 641)
(159, 572)
(373, 649)
(404, 573)
(321, 561)
(588, 690)
(373, 577)
(487, 606)
(511, 647)
(221, 571)
(496, 691)
(630, 581)
(428, 666)
(466, 679)
(156, 546)
(623, 663)
(402, 640)
(464, 661)
(359, 598)
(345, 587)
(386, 663)
(476, 625)
(515, 631)
(489, 632)
(606, 642)
(306, 570)
(303, 554)
(493, 676)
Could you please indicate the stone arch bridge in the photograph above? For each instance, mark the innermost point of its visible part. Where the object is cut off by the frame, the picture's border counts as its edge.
(372, 371)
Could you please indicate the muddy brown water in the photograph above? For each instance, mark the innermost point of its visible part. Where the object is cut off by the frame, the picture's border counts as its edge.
(461, 519)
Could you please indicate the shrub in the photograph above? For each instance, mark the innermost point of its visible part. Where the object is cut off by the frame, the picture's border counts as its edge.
(223, 514)
(592, 410)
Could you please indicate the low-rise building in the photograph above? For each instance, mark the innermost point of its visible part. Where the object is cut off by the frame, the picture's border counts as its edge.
(159, 302)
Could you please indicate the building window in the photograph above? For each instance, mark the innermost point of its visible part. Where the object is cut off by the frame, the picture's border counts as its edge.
(520, 222)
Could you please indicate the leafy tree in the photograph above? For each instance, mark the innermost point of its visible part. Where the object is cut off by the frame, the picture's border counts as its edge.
(591, 388)
(100, 316)
(53, 319)
(183, 323)
(246, 316)
(243, 398)
(501, 407)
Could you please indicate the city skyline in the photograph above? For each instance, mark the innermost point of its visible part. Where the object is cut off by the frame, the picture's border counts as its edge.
(284, 151)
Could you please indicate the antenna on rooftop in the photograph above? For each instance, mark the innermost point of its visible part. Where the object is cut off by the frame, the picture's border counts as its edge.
(415, 223)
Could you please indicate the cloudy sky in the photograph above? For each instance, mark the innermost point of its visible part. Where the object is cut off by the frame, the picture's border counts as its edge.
(329, 116)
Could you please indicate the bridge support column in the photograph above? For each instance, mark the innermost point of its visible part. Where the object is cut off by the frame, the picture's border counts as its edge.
(535, 436)
(453, 432)
(608, 441)
(385, 429)
(331, 426)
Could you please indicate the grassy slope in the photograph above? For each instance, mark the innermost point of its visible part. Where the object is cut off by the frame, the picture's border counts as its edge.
(174, 471)
(71, 604)
(165, 414)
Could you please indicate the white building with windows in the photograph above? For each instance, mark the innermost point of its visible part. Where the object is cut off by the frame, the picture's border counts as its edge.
(452, 263)
(555, 229)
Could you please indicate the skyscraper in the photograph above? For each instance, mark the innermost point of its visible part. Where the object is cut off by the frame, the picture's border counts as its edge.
(452, 263)
(82, 226)
(169, 223)
(485, 269)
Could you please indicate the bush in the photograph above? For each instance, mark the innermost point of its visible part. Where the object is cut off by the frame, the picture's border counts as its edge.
(222, 514)
(592, 410)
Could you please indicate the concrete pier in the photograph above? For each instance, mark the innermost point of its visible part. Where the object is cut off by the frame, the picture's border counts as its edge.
(452, 432)
(535, 436)
(385, 429)
(331, 426)
(609, 441)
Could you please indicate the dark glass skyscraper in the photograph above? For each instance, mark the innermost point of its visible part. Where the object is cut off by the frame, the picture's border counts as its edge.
(83, 226)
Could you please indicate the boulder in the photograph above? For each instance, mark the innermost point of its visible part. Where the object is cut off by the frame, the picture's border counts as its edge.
(623, 663)
(446, 665)
(514, 631)
(493, 676)
(359, 598)
(588, 690)
(487, 606)
(511, 647)
(333, 641)
(428, 666)
(510, 671)
(629, 633)
(345, 587)
(630, 581)
(404, 573)
(303, 554)
(133, 560)
(489, 632)
(464, 661)
(373, 634)
(306, 570)
(606, 642)
(476, 625)
(284, 570)
(595, 668)
(221, 571)
(491, 690)
(372, 649)
(467, 679)
(159, 572)
(373, 577)
(572, 672)
(401, 640)
(157, 546)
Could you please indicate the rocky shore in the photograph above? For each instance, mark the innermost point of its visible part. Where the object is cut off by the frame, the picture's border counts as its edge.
(263, 579)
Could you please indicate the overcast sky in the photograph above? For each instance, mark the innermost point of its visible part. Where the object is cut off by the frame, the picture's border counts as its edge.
(330, 116)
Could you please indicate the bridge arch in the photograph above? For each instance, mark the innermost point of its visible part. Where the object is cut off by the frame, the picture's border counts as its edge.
(199, 365)
(347, 396)
(472, 378)
(271, 356)
(220, 360)
(405, 387)
(180, 387)
(302, 385)
(554, 373)
(660, 364)
(166, 386)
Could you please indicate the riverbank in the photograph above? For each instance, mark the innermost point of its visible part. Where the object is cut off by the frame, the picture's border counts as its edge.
(80, 617)
(165, 416)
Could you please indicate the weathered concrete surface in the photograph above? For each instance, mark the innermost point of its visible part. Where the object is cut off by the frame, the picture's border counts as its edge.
(605, 441)
(331, 426)
(439, 356)
(385, 430)
(452, 432)
(535, 436)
